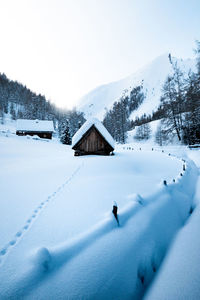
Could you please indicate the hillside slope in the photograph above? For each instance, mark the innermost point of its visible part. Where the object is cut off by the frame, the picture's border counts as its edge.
(153, 76)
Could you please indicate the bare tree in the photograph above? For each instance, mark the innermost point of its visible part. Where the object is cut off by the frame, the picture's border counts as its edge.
(143, 132)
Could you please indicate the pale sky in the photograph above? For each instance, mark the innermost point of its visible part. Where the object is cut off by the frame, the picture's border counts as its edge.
(65, 48)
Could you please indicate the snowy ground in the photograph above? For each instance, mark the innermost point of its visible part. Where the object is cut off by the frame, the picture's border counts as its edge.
(179, 276)
(58, 237)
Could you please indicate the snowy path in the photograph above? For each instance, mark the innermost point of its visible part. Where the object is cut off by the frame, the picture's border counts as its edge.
(30, 172)
(34, 216)
(75, 247)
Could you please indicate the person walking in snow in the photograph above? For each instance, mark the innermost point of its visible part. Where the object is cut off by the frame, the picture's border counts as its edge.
(114, 211)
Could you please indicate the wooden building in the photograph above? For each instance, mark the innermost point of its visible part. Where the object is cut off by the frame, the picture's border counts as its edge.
(92, 138)
(41, 128)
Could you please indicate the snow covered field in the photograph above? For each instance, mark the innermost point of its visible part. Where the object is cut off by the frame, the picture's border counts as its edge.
(59, 239)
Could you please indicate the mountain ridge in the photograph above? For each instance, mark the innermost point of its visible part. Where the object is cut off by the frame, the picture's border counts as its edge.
(152, 76)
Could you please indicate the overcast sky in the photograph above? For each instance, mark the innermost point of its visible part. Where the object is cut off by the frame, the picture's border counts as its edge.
(65, 48)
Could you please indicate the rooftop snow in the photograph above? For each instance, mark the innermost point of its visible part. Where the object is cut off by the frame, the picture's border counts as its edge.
(99, 126)
(34, 125)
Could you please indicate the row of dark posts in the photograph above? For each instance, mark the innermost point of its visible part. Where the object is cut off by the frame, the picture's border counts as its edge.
(164, 181)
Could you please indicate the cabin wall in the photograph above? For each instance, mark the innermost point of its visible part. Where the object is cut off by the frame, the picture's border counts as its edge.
(43, 135)
(94, 143)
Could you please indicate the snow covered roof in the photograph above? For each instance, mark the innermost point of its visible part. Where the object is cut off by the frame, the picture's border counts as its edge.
(99, 126)
(35, 125)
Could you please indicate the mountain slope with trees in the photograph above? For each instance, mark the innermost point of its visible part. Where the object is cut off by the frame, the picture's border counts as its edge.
(167, 89)
(151, 77)
(179, 107)
(21, 103)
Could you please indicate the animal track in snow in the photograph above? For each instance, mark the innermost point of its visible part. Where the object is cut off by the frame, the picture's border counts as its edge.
(3, 251)
(13, 242)
(20, 233)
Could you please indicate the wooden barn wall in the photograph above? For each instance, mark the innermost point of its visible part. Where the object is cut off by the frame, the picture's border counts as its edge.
(44, 135)
(93, 142)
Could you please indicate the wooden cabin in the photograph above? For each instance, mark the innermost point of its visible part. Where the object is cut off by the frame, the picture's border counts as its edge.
(42, 128)
(92, 138)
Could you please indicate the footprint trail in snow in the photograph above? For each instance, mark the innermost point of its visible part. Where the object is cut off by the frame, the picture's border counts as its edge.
(35, 214)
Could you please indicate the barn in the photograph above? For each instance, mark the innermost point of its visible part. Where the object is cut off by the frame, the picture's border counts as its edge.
(41, 128)
(92, 138)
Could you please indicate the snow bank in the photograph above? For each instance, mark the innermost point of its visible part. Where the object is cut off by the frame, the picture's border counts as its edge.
(117, 262)
(181, 192)
(105, 261)
(63, 253)
(179, 275)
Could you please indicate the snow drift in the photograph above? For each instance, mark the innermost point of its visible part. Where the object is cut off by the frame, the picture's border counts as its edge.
(111, 262)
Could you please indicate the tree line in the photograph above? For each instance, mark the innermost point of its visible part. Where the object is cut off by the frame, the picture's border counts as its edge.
(179, 109)
(180, 103)
(117, 120)
(21, 103)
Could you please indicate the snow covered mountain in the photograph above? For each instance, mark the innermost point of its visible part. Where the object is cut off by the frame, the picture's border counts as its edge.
(153, 76)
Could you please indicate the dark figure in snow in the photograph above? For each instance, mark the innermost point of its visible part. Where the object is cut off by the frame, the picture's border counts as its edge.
(114, 211)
